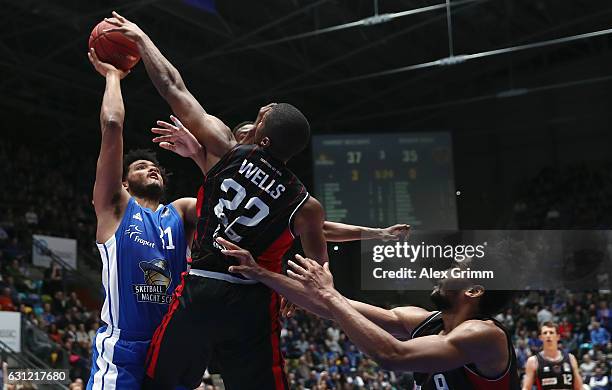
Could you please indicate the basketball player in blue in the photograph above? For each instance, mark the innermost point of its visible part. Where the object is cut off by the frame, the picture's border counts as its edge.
(143, 245)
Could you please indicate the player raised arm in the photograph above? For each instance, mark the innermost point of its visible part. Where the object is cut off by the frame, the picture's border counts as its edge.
(109, 196)
(209, 130)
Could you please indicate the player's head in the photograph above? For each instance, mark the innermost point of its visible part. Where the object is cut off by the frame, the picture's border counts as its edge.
(142, 175)
(241, 130)
(284, 131)
(549, 334)
(456, 294)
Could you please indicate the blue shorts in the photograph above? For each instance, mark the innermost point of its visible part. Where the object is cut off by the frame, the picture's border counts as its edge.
(117, 360)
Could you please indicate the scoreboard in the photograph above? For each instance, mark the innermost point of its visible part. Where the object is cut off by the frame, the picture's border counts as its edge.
(383, 179)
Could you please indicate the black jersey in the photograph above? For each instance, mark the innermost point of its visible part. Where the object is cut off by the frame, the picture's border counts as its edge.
(248, 198)
(554, 375)
(466, 377)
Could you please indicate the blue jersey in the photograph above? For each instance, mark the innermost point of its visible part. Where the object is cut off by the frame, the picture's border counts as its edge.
(142, 264)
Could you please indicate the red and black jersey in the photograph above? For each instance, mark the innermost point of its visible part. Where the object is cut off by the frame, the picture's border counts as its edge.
(248, 198)
(466, 377)
(554, 375)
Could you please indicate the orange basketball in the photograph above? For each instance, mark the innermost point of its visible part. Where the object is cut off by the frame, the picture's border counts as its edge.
(113, 47)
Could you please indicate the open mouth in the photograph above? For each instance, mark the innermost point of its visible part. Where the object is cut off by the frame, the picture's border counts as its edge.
(154, 176)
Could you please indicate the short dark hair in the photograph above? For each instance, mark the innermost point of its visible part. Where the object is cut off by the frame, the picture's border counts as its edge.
(239, 125)
(288, 131)
(493, 302)
(143, 154)
(549, 324)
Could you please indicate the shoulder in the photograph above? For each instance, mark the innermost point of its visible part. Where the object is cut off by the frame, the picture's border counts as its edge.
(474, 334)
(185, 207)
(573, 359)
(532, 362)
(309, 214)
(184, 204)
(412, 317)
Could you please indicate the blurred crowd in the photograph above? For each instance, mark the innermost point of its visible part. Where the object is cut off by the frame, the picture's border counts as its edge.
(56, 327)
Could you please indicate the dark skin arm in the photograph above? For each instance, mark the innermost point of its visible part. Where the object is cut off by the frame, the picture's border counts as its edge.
(209, 130)
(308, 224)
(399, 321)
(472, 341)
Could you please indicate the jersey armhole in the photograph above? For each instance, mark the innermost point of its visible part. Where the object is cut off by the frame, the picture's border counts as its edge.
(131, 201)
(292, 216)
(426, 321)
(511, 356)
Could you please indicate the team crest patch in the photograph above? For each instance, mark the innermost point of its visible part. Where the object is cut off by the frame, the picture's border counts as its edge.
(157, 279)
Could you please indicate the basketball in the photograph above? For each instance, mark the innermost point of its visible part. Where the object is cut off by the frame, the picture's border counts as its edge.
(113, 47)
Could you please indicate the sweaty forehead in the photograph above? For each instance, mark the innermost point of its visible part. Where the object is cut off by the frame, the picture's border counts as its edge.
(143, 162)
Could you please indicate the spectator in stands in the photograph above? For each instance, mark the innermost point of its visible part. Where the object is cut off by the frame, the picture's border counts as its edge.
(6, 302)
(599, 335)
(604, 314)
(522, 353)
(587, 367)
(53, 279)
(31, 217)
(544, 315)
(599, 381)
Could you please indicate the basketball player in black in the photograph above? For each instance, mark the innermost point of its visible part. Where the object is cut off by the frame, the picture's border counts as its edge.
(459, 347)
(552, 369)
(248, 196)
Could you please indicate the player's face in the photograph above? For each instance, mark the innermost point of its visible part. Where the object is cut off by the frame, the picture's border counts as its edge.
(549, 335)
(145, 179)
(259, 132)
(242, 132)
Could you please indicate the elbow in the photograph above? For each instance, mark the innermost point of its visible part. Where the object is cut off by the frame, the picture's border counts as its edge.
(387, 360)
(112, 123)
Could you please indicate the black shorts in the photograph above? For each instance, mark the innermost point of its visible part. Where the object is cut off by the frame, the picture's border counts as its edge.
(237, 324)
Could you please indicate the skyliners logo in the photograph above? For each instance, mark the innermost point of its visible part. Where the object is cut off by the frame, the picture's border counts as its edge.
(404, 250)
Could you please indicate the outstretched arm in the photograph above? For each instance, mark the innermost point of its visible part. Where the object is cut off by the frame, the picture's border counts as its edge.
(340, 232)
(399, 321)
(209, 130)
(470, 342)
(109, 196)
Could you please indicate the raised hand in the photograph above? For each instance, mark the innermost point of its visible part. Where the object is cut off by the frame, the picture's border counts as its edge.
(124, 26)
(316, 278)
(102, 67)
(176, 138)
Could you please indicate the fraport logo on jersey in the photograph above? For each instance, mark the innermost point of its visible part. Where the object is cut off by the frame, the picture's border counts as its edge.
(134, 232)
(157, 279)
